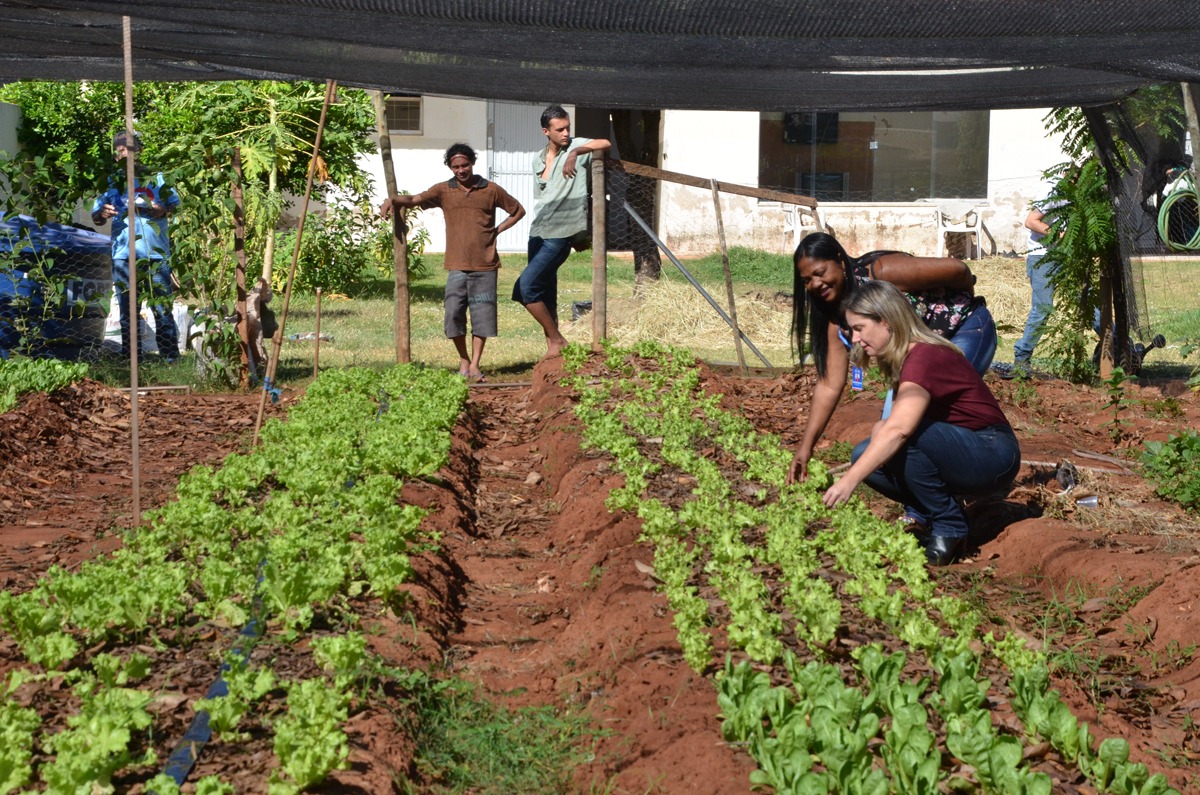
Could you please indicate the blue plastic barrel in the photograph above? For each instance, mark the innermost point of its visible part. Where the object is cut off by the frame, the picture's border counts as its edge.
(60, 267)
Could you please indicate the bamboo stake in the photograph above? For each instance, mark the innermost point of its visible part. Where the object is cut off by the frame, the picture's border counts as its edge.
(599, 254)
(317, 341)
(277, 340)
(400, 297)
(737, 332)
(134, 315)
(1107, 341)
(239, 253)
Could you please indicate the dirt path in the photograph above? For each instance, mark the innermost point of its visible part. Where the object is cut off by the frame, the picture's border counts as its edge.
(558, 609)
(65, 467)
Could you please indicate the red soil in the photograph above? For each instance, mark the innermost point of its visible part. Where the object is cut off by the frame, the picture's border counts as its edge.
(542, 596)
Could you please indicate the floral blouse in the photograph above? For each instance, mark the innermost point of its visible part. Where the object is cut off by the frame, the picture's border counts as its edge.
(943, 309)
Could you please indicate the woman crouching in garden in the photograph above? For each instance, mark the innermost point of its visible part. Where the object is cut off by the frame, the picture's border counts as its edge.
(946, 437)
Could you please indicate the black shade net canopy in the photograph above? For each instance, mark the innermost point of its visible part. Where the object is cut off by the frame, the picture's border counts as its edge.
(764, 55)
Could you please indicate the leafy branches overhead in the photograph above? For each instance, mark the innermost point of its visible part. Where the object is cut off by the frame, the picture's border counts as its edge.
(189, 131)
(73, 123)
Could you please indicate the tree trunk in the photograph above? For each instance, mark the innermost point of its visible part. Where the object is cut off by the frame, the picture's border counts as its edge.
(269, 249)
(639, 140)
(1113, 263)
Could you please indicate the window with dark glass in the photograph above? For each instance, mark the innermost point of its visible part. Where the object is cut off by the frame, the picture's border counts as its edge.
(884, 156)
(403, 114)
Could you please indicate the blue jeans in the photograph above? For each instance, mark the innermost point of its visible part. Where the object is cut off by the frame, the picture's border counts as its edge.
(1040, 306)
(166, 335)
(942, 462)
(538, 283)
(976, 338)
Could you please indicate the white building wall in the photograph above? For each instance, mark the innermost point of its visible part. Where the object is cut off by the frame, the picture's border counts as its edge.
(10, 119)
(724, 146)
(719, 145)
(417, 159)
(1020, 151)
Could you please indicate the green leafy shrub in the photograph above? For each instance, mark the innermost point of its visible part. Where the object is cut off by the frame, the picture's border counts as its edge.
(343, 250)
(1174, 466)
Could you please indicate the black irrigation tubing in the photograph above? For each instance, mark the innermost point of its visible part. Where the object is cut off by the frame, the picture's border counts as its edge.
(183, 758)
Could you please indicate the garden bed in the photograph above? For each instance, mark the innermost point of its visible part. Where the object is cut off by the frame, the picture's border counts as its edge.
(545, 598)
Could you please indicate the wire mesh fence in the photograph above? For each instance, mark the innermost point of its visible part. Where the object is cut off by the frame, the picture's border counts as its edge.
(666, 223)
(58, 297)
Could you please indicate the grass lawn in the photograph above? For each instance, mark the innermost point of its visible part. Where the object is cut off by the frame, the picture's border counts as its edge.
(673, 312)
(362, 326)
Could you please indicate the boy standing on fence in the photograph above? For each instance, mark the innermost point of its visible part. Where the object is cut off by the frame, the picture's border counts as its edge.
(560, 220)
(154, 201)
(469, 203)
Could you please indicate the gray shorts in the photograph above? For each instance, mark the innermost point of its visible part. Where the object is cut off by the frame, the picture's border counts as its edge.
(476, 290)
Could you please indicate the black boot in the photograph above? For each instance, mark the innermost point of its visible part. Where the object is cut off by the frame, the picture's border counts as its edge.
(941, 551)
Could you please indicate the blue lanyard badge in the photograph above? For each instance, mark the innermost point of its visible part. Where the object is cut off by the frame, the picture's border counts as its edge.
(856, 373)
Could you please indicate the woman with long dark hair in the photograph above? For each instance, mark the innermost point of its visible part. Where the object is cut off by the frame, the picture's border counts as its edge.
(940, 289)
(946, 437)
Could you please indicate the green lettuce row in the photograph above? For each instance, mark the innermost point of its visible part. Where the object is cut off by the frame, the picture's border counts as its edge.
(887, 571)
(19, 376)
(318, 501)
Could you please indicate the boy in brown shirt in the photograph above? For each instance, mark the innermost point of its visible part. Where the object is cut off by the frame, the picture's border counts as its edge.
(469, 203)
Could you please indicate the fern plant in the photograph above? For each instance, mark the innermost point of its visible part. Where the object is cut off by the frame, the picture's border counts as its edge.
(1080, 240)
(1084, 236)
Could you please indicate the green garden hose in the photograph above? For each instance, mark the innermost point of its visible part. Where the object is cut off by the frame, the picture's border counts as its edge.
(1179, 219)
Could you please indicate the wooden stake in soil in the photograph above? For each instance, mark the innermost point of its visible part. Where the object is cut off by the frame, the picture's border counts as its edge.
(135, 337)
(239, 269)
(400, 297)
(277, 340)
(599, 254)
(317, 341)
(737, 332)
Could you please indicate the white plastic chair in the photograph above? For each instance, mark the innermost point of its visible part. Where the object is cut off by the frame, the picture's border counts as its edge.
(962, 217)
(799, 220)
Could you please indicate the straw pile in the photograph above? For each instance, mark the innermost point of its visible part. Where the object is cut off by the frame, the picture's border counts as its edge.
(1002, 281)
(676, 314)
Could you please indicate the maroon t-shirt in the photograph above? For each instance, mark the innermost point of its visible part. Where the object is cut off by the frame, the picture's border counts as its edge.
(957, 394)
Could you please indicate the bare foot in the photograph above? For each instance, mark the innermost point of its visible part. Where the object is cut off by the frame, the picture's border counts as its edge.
(554, 349)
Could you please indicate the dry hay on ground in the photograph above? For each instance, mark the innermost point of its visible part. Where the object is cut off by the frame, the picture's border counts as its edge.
(1002, 281)
(676, 314)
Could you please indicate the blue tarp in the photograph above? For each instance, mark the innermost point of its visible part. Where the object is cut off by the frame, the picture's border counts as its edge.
(80, 258)
(24, 229)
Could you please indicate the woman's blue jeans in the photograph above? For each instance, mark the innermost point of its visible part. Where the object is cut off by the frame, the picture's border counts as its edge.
(976, 338)
(942, 462)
